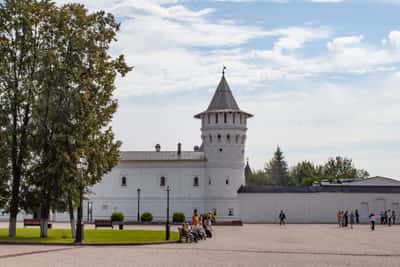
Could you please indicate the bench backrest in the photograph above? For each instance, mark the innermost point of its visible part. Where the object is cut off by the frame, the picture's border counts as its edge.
(31, 221)
(102, 222)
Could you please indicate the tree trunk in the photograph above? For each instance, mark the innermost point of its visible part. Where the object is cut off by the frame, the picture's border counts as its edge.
(71, 216)
(44, 220)
(12, 227)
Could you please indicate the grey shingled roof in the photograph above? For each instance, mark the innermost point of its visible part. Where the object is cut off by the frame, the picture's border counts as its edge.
(223, 98)
(162, 156)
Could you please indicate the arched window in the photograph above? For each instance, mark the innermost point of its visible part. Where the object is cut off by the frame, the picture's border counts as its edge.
(162, 181)
(209, 118)
(227, 181)
(123, 181)
(210, 137)
(233, 118)
(225, 118)
(228, 138)
(237, 139)
(196, 181)
(216, 117)
(240, 118)
(219, 138)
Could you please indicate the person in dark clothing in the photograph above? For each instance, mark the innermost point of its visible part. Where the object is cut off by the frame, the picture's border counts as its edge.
(385, 217)
(372, 221)
(282, 218)
(393, 217)
(346, 218)
(389, 215)
(357, 217)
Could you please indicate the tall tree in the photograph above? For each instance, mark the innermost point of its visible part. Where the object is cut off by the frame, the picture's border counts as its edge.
(22, 24)
(277, 169)
(76, 106)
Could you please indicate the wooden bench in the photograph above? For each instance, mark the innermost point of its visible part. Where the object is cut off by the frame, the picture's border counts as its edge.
(103, 223)
(34, 222)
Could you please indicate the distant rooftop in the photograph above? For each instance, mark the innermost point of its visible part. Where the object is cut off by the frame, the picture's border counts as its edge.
(320, 189)
(162, 156)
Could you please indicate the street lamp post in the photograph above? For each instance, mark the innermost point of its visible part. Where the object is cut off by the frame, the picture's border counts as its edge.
(167, 222)
(138, 204)
(82, 166)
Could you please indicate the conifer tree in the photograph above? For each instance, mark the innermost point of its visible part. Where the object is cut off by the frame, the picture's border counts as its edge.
(277, 169)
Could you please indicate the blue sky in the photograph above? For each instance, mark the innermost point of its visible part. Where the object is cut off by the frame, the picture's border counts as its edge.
(321, 76)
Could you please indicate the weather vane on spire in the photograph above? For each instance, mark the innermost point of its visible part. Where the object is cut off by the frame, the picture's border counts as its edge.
(223, 70)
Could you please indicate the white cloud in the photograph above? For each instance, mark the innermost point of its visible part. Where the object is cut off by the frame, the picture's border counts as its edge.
(343, 42)
(394, 38)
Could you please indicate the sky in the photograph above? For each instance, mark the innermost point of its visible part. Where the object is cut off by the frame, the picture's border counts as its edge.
(321, 76)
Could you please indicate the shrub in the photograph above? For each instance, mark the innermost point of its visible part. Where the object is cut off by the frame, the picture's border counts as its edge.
(146, 217)
(178, 217)
(117, 216)
(213, 218)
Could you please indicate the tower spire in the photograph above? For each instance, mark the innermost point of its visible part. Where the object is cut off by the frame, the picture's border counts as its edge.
(223, 70)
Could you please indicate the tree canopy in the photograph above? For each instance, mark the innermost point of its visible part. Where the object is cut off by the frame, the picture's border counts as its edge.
(304, 172)
(57, 80)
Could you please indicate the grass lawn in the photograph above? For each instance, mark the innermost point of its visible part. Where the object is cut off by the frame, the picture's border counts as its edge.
(91, 236)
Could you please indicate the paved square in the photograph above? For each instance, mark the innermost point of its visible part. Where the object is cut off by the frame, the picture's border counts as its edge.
(251, 245)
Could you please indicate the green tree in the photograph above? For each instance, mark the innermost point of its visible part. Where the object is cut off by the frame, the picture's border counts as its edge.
(22, 27)
(305, 173)
(342, 167)
(259, 178)
(76, 106)
(56, 88)
(277, 169)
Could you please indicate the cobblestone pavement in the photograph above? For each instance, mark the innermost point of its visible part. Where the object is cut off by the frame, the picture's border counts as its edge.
(250, 245)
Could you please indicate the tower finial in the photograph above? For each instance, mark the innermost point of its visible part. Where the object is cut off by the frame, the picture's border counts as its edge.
(223, 70)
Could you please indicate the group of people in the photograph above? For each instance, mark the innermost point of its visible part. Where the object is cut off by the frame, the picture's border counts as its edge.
(200, 229)
(345, 218)
(388, 217)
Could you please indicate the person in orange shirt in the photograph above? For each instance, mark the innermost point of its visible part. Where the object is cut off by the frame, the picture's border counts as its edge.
(195, 218)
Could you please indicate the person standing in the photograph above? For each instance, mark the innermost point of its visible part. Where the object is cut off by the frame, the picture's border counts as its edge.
(385, 217)
(346, 218)
(282, 218)
(393, 217)
(357, 217)
(340, 218)
(351, 219)
(195, 218)
(382, 217)
(389, 218)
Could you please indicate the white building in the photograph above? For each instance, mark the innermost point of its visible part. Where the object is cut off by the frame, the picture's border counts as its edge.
(211, 178)
(206, 179)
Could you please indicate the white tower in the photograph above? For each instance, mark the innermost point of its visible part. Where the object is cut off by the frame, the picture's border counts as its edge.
(223, 131)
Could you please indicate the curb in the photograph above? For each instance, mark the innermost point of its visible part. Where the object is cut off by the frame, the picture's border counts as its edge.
(88, 244)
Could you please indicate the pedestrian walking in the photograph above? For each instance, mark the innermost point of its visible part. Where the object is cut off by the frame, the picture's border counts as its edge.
(389, 214)
(282, 218)
(352, 216)
(385, 217)
(357, 217)
(372, 221)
